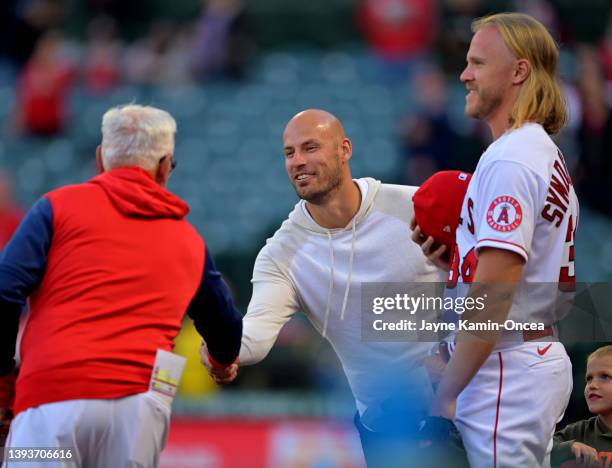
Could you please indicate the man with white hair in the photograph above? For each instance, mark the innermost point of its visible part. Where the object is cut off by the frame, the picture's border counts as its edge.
(109, 266)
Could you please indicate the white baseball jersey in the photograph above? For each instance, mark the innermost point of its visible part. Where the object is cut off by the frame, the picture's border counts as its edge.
(521, 199)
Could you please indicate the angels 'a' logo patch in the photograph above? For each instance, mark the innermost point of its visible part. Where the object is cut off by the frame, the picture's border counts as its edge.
(504, 214)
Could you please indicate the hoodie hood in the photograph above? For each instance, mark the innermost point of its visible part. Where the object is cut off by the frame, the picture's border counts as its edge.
(134, 193)
(299, 217)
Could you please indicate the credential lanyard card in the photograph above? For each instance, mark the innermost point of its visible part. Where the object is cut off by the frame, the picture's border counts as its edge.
(167, 372)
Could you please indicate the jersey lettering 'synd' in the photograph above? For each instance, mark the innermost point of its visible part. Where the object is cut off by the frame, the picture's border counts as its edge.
(521, 199)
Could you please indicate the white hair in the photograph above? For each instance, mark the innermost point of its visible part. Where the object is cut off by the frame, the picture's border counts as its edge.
(134, 135)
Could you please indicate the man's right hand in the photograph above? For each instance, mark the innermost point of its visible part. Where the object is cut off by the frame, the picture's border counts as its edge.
(221, 374)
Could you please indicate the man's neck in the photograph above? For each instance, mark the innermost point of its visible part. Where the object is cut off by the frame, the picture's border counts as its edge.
(499, 120)
(339, 209)
(499, 125)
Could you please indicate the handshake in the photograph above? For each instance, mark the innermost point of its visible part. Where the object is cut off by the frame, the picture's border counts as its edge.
(220, 373)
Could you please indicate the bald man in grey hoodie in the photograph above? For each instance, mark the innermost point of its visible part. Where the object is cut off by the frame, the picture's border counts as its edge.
(342, 233)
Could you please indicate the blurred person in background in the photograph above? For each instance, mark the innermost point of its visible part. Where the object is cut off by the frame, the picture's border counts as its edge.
(542, 10)
(102, 56)
(223, 40)
(109, 267)
(43, 85)
(10, 212)
(595, 135)
(582, 22)
(177, 61)
(161, 57)
(24, 24)
(605, 54)
(341, 234)
(430, 142)
(400, 33)
(454, 38)
(143, 57)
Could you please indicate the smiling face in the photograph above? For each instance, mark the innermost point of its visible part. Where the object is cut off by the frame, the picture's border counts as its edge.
(315, 151)
(488, 74)
(598, 389)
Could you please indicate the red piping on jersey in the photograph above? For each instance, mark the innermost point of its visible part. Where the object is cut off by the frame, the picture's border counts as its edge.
(504, 242)
(501, 375)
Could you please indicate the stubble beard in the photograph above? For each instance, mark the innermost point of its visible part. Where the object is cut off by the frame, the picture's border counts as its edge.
(487, 102)
(323, 194)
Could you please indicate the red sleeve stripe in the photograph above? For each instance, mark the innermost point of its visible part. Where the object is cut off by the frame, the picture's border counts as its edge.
(505, 242)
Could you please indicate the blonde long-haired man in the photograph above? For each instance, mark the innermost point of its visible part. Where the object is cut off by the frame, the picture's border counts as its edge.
(506, 390)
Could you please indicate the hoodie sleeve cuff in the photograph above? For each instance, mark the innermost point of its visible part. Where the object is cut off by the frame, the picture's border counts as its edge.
(216, 364)
(561, 452)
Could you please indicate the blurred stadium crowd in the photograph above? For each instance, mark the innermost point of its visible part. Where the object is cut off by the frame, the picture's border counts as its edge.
(233, 72)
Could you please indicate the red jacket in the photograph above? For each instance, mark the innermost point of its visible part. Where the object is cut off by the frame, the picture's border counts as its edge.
(122, 267)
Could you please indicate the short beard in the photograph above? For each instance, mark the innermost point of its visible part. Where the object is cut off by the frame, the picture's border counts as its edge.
(489, 102)
(321, 196)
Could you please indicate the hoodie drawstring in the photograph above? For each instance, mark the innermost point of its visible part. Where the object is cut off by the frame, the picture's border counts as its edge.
(331, 283)
(331, 277)
(350, 273)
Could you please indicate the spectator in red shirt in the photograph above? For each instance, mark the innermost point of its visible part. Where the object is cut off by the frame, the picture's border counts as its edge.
(399, 32)
(102, 56)
(43, 87)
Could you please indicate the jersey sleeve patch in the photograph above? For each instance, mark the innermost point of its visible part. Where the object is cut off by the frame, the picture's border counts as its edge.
(504, 214)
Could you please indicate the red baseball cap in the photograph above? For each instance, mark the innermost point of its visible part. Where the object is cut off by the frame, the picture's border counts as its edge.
(437, 205)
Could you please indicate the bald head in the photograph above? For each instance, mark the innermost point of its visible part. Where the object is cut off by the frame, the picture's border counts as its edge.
(319, 120)
(316, 154)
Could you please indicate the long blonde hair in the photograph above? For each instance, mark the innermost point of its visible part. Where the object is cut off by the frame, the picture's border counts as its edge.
(540, 98)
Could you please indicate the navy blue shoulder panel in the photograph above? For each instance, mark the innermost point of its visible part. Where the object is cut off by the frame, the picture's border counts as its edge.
(23, 259)
(22, 266)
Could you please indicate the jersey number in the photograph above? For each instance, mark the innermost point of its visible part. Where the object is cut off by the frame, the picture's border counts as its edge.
(567, 274)
(466, 268)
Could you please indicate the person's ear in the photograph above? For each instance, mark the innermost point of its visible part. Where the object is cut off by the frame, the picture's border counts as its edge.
(346, 149)
(162, 173)
(99, 163)
(522, 69)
